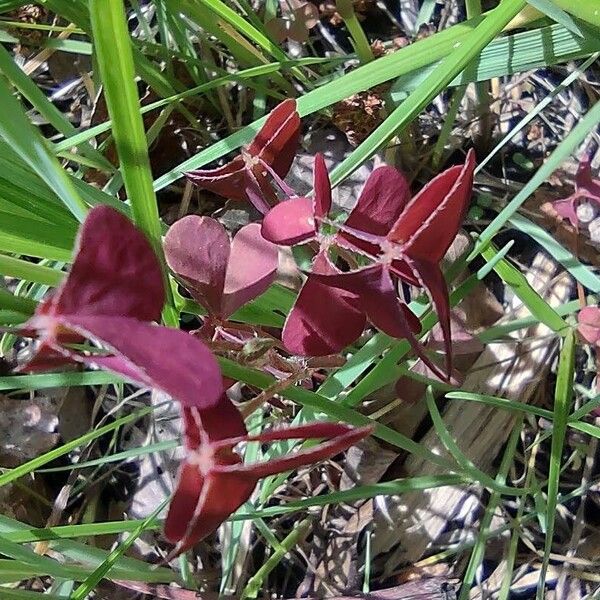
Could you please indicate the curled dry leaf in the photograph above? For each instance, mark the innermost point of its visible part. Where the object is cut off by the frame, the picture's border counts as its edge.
(296, 23)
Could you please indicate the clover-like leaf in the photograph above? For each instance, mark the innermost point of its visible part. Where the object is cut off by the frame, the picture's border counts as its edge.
(274, 147)
(221, 275)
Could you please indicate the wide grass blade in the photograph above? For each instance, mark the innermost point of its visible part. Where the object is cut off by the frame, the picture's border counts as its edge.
(112, 45)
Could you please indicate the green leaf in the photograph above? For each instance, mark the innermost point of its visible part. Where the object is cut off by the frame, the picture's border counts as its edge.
(112, 45)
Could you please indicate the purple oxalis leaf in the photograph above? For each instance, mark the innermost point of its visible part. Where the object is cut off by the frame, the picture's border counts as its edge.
(274, 147)
(296, 220)
(324, 319)
(586, 188)
(220, 274)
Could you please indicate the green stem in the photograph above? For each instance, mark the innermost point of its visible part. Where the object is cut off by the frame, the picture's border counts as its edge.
(296, 536)
(112, 45)
(361, 44)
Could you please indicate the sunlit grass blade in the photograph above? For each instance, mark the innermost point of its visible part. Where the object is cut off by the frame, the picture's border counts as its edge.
(113, 53)
(441, 76)
(478, 553)
(28, 143)
(519, 285)
(563, 395)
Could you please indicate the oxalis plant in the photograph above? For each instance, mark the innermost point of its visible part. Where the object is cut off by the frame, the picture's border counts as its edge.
(104, 314)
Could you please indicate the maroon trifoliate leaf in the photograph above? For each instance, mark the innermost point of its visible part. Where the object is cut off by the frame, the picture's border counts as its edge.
(290, 222)
(342, 437)
(379, 301)
(115, 272)
(586, 188)
(220, 274)
(252, 268)
(213, 481)
(297, 220)
(159, 357)
(431, 220)
(275, 146)
(588, 326)
(321, 188)
(197, 250)
(324, 319)
(382, 200)
(432, 279)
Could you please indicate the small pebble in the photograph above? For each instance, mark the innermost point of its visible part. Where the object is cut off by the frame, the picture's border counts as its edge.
(586, 212)
(594, 228)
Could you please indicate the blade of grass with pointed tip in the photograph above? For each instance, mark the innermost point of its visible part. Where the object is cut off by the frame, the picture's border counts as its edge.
(114, 55)
(466, 464)
(112, 45)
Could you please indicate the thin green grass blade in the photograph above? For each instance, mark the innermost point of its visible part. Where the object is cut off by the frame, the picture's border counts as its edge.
(564, 256)
(31, 465)
(551, 10)
(519, 285)
(9, 301)
(28, 271)
(563, 396)
(298, 533)
(452, 447)
(502, 403)
(113, 54)
(24, 534)
(50, 380)
(27, 142)
(478, 553)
